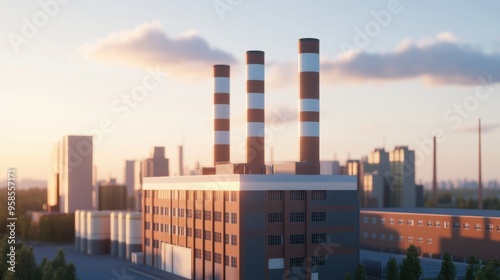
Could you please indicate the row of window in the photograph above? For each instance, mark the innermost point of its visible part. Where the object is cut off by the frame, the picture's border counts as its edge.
(410, 222)
(207, 235)
(207, 215)
(297, 195)
(301, 262)
(207, 256)
(400, 238)
(196, 195)
(277, 240)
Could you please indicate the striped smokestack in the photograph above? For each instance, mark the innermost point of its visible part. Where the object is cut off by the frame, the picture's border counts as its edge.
(221, 113)
(309, 103)
(255, 112)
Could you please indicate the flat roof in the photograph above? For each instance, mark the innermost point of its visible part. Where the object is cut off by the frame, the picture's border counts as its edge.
(252, 182)
(437, 211)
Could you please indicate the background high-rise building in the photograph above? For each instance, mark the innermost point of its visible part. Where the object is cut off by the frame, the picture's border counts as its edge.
(70, 181)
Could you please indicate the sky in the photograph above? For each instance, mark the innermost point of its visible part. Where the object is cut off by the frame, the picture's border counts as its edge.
(138, 74)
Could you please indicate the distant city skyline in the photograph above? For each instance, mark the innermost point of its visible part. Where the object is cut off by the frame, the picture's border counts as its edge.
(139, 75)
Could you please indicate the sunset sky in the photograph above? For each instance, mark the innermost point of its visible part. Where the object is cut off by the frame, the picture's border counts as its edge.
(395, 70)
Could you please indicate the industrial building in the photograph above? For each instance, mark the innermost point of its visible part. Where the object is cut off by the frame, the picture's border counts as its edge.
(69, 185)
(249, 221)
(460, 232)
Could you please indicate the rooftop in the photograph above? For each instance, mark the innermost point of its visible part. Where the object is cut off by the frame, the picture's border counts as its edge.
(438, 211)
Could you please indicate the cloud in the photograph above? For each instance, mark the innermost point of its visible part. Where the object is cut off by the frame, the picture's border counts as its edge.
(485, 128)
(147, 45)
(282, 115)
(441, 60)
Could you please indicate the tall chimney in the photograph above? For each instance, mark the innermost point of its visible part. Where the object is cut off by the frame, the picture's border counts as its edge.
(434, 176)
(480, 183)
(181, 161)
(309, 103)
(255, 112)
(221, 113)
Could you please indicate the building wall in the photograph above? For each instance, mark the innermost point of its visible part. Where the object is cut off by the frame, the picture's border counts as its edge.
(112, 197)
(435, 235)
(130, 176)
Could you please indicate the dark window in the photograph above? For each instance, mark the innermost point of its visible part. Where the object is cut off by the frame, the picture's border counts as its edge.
(318, 216)
(318, 261)
(217, 258)
(189, 213)
(296, 262)
(208, 256)
(234, 218)
(297, 217)
(197, 214)
(318, 195)
(181, 213)
(274, 240)
(217, 216)
(208, 215)
(207, 235)
(275, 195)
(218, 237)
(297, 238)
(297, 195)
(234, 196)
(233, 261)
(226, 218)
(226, 260)
(226, 239)
(318, 238)
(275, 217)
(197, 233)
(234, 240)
(189, 232)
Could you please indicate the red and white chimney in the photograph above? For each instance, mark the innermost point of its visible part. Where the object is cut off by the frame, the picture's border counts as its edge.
(309, 103)
(255, 112)
(221, 113)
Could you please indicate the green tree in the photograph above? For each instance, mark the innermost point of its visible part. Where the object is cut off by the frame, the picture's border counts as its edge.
(411, 268)
(472, 268)
(360, 273)
(448, 271)
(25, 262)
(490, 270)
(347, 276)
(480, 275)
(392, 269)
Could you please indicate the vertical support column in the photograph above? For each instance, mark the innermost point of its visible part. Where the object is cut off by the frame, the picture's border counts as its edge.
(255, 112)
(309, 103)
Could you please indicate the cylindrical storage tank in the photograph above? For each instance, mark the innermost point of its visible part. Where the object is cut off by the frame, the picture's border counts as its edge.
(77, 230)
(83, 231)
(121, 234)
(113, 220)
(133, 236)
(98, 232)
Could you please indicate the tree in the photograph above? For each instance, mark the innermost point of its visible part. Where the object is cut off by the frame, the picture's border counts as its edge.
(360, 273)
(472, 268)
(448, 271)
(392, 269)
(410, 268)
(480, 275)
(25, 262)
(490, 270)
(347, 276)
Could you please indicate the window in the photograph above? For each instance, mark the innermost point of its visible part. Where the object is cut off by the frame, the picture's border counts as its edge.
(161, 211)
(297, 195)
(226, 218)
(489, 227)
(189, 213)
(181, 212)
(217, 258)
(233, 261)
(207, 235)
(161, 227)
(429, 223)
(318, 261)
(498, 228)
(297, 217)
(275, 195)
(382, 236)
(365, 234)
(207, 215)
(218, 237)
(477, 227)
(391, 237)
(174, 212)
(197, 253)
(410, 239)
(420, 223)
(374, 235)
(197, 214)
(429, 240)
(274, 240)
(296, 262)
(234, 240)
(226, 239)
(297, 239)
(420, 240)
(410, 222)
(391, 221)
(466, 226)
(374, 220)
(218, 196)
(437, 224)
(234, 196)
(446, 224)
(318, 195)
(167, 211)
(456, 225)
(167, 228)
(401, 221)
(189, 232)
(197, 233)
(400, 238)
(318, 238)
(275, 217)
(208, 256)
(173, 229)
(217, 216)
(226, 260)
(318, 216)
(147, 242)
(382, 221)
(365, 220)
(156, 244)
(234, 218)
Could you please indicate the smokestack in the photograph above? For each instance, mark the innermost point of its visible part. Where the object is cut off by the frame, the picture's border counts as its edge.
(480, 183)
(309, 103)
(434, 178)
(181, 161)
(255, 112)
(221, 113)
